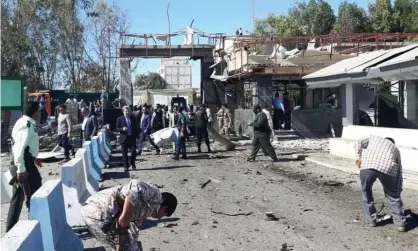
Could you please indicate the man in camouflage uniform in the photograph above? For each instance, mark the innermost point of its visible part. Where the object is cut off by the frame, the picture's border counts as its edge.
(220, 118)
(227, 120)
(261, 138)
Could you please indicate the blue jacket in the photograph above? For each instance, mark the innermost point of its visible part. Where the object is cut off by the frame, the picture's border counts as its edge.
(146, 124)
(278, 104)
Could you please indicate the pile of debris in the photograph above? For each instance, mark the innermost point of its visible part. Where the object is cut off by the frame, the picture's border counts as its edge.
(48, 134)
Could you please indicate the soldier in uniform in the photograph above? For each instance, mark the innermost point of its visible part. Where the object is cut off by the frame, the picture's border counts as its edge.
(261, 138)
(181, 140)
(202, 129)
(26, 177)
(220, 118)
(227, 121)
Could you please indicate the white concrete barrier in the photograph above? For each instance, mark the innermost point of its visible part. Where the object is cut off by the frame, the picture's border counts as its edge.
(24, 236)
(98, 158)
(74, 188)
(94, 169)
(106, 142)
(102, 149)
(47, 207)
(6, 189)
(91, 184)
(346, 148)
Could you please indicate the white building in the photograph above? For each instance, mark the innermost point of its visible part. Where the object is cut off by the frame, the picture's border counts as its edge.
(177, 73)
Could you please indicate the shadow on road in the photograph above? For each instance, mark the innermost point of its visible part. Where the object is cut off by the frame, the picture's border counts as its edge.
(411, 219)
(163, 168)
(95, 249)
(207, 156)
(153, 223)
(115, 175)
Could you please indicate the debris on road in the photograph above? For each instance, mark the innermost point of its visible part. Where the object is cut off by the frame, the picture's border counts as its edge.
(195, 223)
(333, 183)
(170, 225)
(258, 173)
(229, 214)
(203, 185)
(271, 217)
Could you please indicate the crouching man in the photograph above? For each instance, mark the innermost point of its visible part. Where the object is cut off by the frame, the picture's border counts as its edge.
(114, 215)
(379, 158)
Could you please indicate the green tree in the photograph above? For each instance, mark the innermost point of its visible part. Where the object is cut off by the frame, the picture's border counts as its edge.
(278, 25)
(405, 16)
(313, 18)
(151, 80)
(351, 19)
(381, 16)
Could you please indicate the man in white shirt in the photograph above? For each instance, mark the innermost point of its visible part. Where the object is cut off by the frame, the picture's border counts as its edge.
(26, 177)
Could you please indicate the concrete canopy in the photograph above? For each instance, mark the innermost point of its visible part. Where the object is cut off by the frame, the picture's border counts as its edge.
(402, 67)
(353, 70)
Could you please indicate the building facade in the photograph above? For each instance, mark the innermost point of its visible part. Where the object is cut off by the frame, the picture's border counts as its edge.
(177, 72)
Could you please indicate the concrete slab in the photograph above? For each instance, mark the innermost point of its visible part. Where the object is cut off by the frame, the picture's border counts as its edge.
(75, 191)
(47, 207)
(91, 184)
(94, 169)
(98, 158)
(102, 143)
(24, 236)
(6, 189)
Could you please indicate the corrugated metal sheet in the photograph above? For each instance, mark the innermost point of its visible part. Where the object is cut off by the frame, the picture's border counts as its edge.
(407, 56)
(344, 65)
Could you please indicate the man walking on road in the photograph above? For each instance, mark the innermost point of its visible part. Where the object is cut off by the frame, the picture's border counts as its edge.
(127, 126)
(379, 158)
(261, 138)
(181, 140)
(26, 177)
(90, 126)
(146, 132)
(202, 129)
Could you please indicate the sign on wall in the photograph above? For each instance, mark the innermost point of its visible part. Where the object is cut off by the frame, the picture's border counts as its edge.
(12, 89)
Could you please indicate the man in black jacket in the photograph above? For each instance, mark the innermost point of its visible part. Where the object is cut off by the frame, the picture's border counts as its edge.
(127, 126)
(90, 126)
(202, 128)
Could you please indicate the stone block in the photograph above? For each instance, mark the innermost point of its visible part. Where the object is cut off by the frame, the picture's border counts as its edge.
(91, 184)
(98, 158)
(24, 236)
(74, 187)
(94, 168)
(102, 149)
(6, 189)
(47, 207)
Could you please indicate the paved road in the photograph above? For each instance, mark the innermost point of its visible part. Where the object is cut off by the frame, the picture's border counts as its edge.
(229, 213)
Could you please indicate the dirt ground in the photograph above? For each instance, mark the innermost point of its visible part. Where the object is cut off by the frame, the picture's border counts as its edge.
(317, 208)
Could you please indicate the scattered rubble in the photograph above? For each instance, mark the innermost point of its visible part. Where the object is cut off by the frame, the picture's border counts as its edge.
(203, 185)
(233, 214)
(271, 217)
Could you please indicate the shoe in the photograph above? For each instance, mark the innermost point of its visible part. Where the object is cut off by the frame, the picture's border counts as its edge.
(209, 150)
(138, 153)
(125, 169)
(184, 157)
(250, 160)
(401, 229)
(275, 160)
(176, 158)
(158, 152)
(199, 151)
(133, 167)
(372, 223)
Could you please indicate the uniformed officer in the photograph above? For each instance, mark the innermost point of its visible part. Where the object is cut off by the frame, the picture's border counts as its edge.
(26, 177)
(220, 118)
(181, 140)
(261, 138)
(227, 121)
(202, 129)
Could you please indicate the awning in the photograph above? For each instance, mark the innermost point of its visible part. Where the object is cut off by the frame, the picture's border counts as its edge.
(402, 67)
(353, 70)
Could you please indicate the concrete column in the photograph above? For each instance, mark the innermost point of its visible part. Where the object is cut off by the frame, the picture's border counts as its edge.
(125, 88)
(309, 99)
(411, 101)
(211, 93)
(349, 104)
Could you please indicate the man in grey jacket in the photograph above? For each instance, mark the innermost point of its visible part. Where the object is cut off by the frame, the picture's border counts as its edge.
(90, 124)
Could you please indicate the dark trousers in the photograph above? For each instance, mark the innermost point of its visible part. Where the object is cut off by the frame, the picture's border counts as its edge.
(130, 142)
(262, 140)
(287, 120)
(43, 116)
(392, 190)
(64, 142)
(146, 137)
(181, 146)
(34, 182)
(277, 119)
(202, 133)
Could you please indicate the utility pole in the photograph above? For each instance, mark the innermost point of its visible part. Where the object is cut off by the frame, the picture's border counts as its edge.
(253, 13)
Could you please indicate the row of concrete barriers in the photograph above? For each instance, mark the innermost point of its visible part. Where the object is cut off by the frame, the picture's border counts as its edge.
(56, 206)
